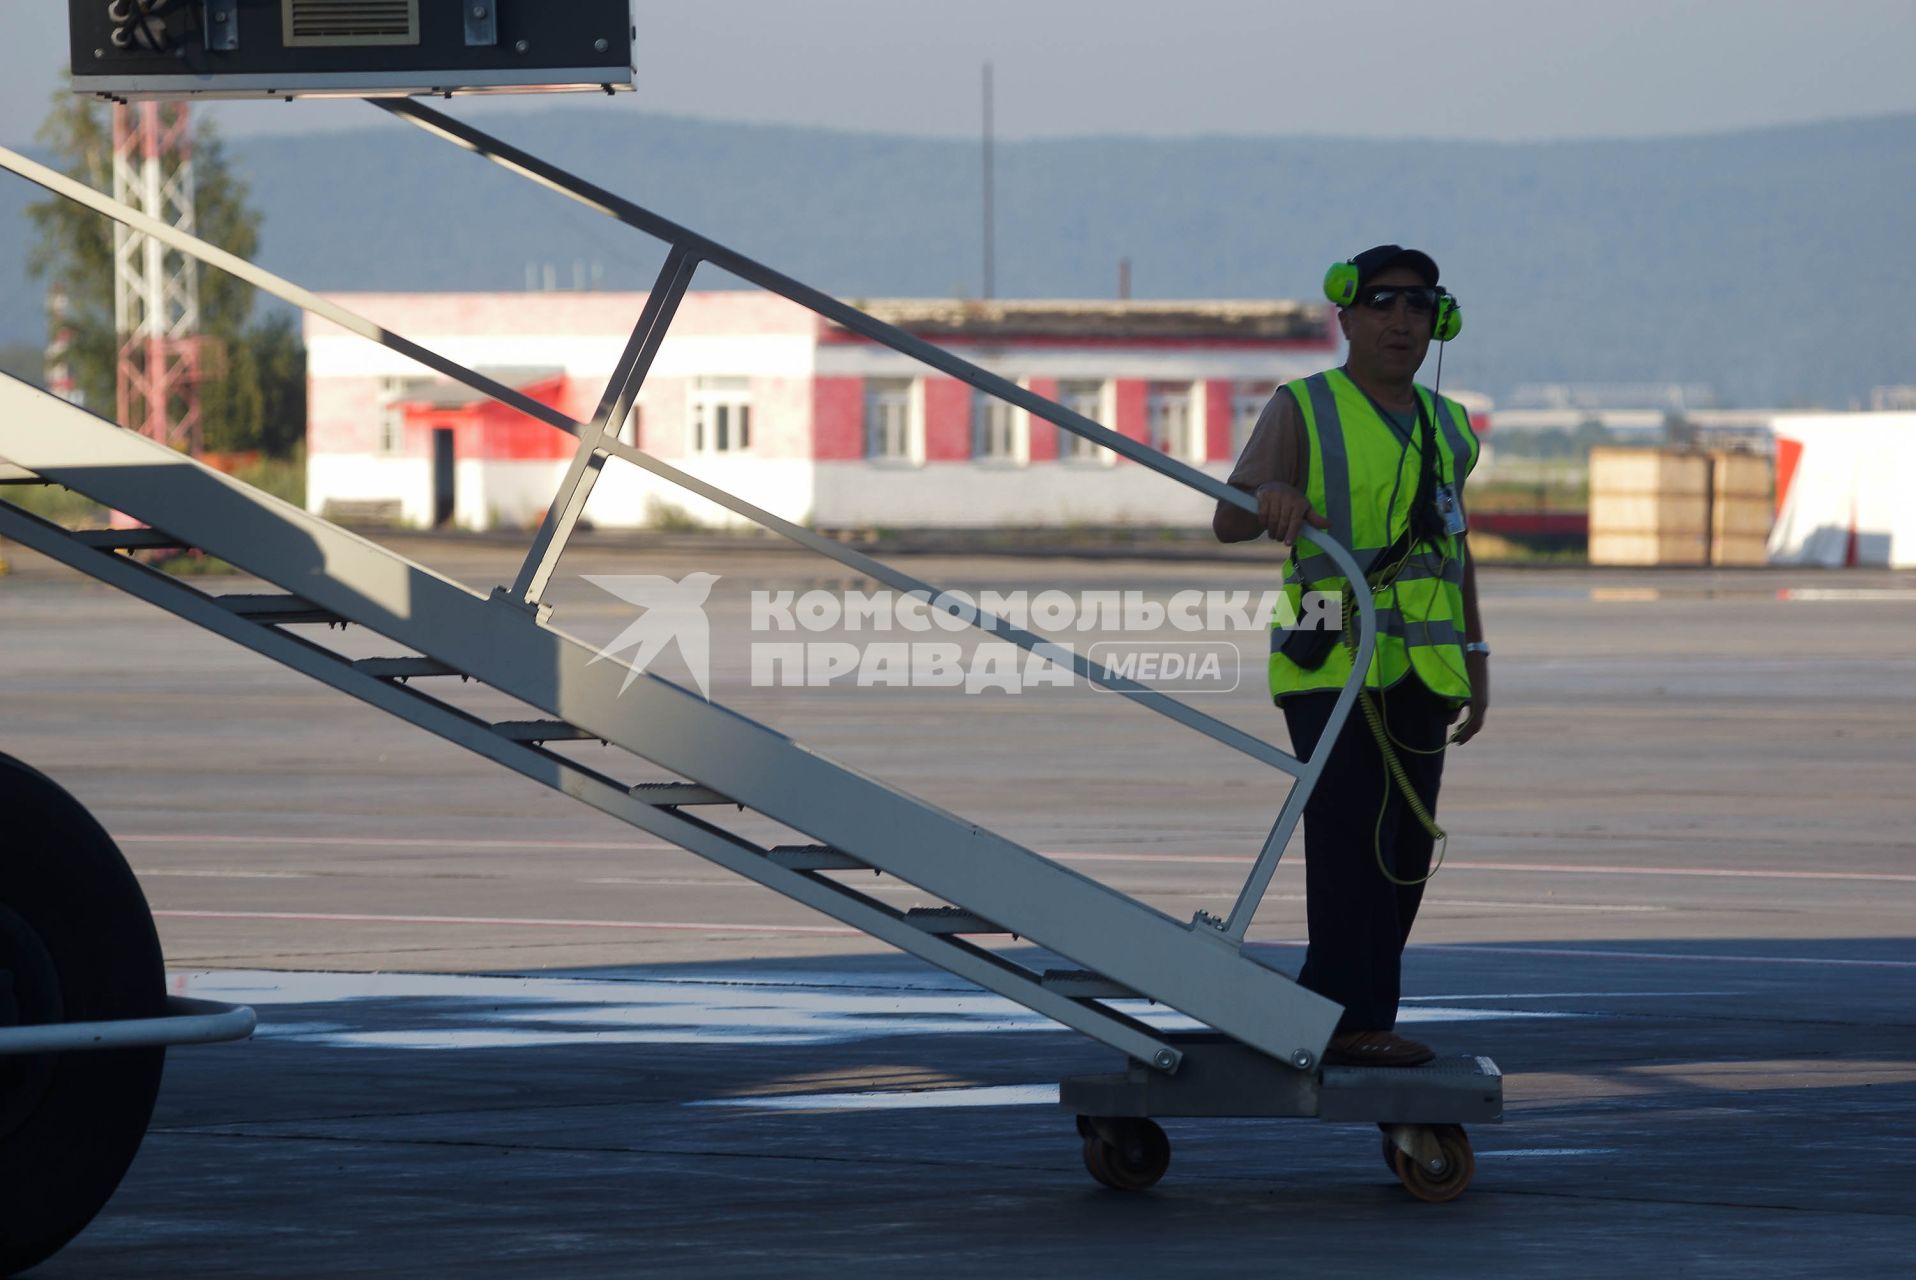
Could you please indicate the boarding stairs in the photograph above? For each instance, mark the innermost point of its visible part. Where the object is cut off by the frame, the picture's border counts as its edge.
(1264, 1037)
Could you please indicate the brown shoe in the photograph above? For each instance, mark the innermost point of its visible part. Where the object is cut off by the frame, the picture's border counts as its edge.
(1375, 1049)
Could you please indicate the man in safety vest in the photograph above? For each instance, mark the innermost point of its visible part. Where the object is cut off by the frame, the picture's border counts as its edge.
(1379, 463)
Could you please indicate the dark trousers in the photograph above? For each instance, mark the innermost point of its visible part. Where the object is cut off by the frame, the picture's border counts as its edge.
(1359, 921)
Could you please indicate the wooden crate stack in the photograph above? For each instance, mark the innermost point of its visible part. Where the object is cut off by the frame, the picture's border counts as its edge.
(1678, 507)
(1742, 508)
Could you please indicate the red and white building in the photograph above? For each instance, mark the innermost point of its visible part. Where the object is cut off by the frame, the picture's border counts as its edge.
(765, 399)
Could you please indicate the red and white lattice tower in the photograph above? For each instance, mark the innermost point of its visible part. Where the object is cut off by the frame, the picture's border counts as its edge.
(156, 290)
(59, 367)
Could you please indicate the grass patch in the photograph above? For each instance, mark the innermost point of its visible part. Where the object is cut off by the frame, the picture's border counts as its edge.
(669, 517)
(56, 505)
(284, 478)
(1490, 547)
(192, 564)
(1567, 493)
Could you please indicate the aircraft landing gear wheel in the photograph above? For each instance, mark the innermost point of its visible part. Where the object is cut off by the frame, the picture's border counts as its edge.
(76, 944)
(1124, 1153)
(1439, 1178)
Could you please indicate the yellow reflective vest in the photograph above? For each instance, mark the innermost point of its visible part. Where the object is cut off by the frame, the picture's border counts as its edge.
(1363, 479)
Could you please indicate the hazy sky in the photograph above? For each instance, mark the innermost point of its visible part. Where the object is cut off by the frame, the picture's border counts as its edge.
(1491, 69)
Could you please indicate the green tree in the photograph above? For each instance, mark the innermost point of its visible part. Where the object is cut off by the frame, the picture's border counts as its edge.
(254, 395)
(24, 361)
(1590, 434)
(74, 248)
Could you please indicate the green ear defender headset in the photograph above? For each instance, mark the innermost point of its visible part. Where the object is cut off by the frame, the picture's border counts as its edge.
(1340, 283)
(1340, 286)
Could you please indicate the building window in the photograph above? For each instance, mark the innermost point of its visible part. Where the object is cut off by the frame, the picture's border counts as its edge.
(1167, 408)
(997, 429)
(892, 428)
(719, 413)
(1086, 398)
(1247, 406)
(633, 430)
(392, 417)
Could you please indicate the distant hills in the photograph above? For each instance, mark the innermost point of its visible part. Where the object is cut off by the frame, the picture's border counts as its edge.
(1776, 264)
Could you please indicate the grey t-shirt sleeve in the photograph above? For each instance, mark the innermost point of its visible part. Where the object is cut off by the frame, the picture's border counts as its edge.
(1277, 449)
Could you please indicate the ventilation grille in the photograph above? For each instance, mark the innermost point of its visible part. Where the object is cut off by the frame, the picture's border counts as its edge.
(350, 22)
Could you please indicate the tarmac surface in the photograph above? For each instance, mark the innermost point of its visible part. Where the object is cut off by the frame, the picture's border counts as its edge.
(504, 1035)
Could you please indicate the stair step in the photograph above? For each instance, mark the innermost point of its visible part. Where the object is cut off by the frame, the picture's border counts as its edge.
(1083, 984)
(277, 609)
(128, 540)
(665, 794)
(814, 857)
(542, 731)
(403, 668)
(946, 920)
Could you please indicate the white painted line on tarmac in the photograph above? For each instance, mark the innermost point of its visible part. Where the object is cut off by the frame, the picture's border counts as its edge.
(1061, 855)
(1434, 900)
(1214, 859)
(219, 873)
(718, 927)
(995, 1095)
(426, 1011)
(1847, 594)
(1567, 995)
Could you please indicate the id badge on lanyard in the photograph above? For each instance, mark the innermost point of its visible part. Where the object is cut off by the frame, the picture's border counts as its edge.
(1449, 510)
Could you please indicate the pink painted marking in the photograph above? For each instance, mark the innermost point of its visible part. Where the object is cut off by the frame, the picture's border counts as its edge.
(1734, 873)
(396, 842)
(1544, 868)
(1714, 958)
(1062, 855)
(527, 922)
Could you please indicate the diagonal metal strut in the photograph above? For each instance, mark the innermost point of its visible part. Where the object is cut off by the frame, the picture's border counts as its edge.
(562, 516)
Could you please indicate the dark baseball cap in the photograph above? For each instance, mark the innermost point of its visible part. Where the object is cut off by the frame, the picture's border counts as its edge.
(1375, 262)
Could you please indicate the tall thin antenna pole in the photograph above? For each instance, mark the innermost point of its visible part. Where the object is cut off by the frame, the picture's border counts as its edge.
(989, 211)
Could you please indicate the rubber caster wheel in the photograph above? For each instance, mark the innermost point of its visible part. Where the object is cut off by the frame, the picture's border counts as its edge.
(76, 944)
(1454, 1165)
(1124, 1153)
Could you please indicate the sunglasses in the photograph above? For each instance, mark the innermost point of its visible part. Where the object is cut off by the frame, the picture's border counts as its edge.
(1419, 300)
